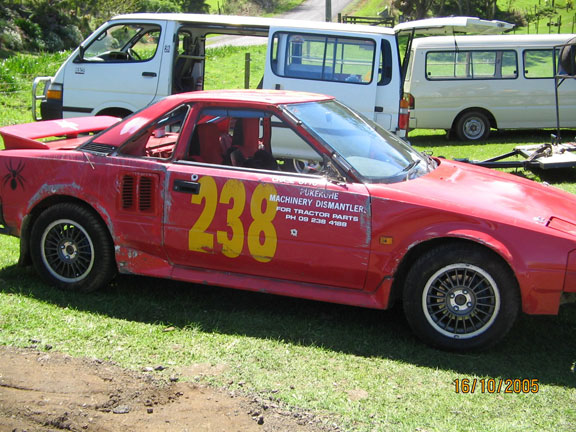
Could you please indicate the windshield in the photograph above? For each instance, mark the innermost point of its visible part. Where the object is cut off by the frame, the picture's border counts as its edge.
(375, 154)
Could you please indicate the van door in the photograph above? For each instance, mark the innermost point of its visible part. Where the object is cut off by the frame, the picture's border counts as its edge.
(330, 63)
(117, 69)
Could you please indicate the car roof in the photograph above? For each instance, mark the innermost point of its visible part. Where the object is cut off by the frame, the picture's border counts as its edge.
(267, 97)
(237, 98)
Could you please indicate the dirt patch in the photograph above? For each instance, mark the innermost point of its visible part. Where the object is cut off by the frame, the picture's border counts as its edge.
(45, 391)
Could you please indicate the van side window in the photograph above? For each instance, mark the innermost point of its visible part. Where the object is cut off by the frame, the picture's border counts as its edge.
(326, 58)
(124, 42)
(538, 63)
(486, 64)
(385, 69)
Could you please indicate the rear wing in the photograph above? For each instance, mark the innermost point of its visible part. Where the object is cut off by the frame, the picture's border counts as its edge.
(64, 133)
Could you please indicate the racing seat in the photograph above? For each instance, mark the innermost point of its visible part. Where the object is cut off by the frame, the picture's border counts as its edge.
(246, 136)
(210, 146)
(247, 150)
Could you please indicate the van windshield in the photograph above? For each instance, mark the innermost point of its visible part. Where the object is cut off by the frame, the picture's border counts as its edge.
(375, 154)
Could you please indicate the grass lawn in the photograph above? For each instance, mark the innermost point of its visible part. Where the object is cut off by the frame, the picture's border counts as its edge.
(362, 369)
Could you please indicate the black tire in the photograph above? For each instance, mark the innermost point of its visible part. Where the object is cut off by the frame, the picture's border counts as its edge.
(473, 126)
(460, 297)
(72, 249)
(568, 58)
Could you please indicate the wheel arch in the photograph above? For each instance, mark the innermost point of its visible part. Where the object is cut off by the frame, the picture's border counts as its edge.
(115, 112)
(34, 213)
(496, 249)
(485, 111)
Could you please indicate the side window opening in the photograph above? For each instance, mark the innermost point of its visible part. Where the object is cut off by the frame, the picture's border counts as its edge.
(325, 58)
(233, 137)
(159, 139)
(124, 43)
(248, 139)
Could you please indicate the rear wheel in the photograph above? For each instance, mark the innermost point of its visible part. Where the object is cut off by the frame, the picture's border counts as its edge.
(473, 126)
(460, 297)
(71, 248)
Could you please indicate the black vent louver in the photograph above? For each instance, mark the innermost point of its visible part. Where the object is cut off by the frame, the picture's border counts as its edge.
(98, 148)
(128, 192)
(137, 192)
(145, 194)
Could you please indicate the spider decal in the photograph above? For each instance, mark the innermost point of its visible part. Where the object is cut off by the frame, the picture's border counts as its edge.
(14, 176)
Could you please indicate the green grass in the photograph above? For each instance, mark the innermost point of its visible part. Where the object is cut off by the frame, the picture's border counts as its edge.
(362, 369)
(562, 11)
(225, 66)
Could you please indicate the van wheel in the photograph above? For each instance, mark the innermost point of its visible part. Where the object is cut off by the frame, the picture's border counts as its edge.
(72, 249)
(473, 126)
(460, 297)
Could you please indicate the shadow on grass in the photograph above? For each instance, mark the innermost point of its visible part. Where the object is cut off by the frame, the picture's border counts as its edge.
(542, 347)
(438, 138)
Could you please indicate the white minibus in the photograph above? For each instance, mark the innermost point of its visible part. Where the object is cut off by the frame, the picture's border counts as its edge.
(468, 85)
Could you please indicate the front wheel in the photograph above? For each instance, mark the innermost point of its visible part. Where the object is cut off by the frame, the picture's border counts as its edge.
(473, 126)
(460, 297)
(71, 248)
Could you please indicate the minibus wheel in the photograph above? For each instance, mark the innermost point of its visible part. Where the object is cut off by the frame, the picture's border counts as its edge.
(472, 126)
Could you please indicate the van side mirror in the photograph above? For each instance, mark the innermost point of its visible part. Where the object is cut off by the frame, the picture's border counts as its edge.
(80, 55)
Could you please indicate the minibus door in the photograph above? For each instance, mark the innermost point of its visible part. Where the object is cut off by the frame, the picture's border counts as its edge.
(118, 68)
(334, 64)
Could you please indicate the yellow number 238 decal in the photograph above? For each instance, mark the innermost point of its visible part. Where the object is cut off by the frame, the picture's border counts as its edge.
(261, 237)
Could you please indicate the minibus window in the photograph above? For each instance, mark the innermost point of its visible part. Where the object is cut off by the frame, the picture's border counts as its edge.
(485, 64)
(326, 58)
(124, 42)
(538, 63)
(385, 69)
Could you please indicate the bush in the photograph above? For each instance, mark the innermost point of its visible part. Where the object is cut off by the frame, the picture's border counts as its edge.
(158, 6)
(10, 38)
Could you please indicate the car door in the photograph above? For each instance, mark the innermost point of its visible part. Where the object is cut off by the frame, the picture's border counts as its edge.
(265, 222)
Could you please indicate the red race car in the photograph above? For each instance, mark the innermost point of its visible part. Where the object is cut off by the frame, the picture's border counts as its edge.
(200, 187)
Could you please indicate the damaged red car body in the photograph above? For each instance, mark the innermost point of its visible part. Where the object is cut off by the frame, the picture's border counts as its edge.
(196, 188)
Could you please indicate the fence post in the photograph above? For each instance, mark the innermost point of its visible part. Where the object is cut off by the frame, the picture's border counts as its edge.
(247, 70)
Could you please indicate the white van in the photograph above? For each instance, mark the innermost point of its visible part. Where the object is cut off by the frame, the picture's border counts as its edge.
(133, 60)
(470, 84)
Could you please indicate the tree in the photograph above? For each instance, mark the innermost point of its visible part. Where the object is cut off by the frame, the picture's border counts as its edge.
(197, 6)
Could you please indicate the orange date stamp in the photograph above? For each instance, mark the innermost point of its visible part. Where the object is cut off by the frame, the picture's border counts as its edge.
(496, 385)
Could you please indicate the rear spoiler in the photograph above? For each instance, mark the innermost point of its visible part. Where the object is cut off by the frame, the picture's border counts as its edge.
(27, 135)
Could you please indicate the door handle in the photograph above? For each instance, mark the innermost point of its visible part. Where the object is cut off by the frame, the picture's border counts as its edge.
(149, 74)
(187, 187)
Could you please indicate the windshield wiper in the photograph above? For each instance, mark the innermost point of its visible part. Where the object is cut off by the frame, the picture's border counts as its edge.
(410, 166)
